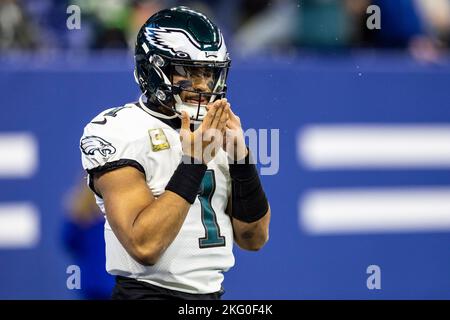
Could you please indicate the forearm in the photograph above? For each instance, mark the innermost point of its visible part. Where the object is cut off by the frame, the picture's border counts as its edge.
(157, 225)
(249, 206)
(252, 236)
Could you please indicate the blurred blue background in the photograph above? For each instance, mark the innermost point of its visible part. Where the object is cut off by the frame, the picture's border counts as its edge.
(54, 81)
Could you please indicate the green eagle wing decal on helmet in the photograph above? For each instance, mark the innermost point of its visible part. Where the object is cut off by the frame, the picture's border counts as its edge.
(181, 44)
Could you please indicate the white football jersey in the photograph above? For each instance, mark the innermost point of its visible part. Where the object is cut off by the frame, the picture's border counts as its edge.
(202, 251)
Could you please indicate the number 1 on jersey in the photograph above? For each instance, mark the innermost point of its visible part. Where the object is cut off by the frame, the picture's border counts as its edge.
(212, 231)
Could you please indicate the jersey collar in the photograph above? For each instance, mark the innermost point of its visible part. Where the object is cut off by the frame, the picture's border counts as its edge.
(153, 110)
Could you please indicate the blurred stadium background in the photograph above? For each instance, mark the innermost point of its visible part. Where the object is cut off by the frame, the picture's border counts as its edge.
(364, 143)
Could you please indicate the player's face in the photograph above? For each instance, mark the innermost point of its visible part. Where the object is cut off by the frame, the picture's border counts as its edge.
(194, 79)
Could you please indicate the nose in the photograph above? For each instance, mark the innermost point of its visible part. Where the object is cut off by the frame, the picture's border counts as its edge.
(201, 84)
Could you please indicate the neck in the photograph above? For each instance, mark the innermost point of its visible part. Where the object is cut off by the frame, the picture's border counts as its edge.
(160, 112)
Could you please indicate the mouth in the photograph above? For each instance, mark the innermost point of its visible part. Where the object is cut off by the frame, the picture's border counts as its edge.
(192, 100)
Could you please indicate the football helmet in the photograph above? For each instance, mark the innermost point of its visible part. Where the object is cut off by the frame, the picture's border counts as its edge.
(175, 48)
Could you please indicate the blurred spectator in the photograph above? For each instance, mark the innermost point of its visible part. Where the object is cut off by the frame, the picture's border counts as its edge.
(436, 16)
(84, 239)
(330, 23)
(107, 21)
(357, 14)
(253, 26)
(400, 23)
(224, 12)
(16, 30)
(283, 24)
(266, 28)
(403, 26)
(113, 24)
(248, 9)
(140, 12)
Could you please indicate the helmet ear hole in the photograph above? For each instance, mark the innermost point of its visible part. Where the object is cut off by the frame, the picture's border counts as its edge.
(161, 95)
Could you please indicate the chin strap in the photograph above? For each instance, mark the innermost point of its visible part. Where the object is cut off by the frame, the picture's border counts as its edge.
(192, 110)
(162, 115)
(154, 113)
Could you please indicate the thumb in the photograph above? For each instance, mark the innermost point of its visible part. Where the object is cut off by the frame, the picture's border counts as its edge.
(231, 113)
(185, 121)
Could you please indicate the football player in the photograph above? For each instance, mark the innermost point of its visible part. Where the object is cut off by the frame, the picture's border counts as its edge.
(172, 210)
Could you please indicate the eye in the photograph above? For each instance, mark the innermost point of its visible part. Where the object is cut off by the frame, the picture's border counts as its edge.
(185, 84)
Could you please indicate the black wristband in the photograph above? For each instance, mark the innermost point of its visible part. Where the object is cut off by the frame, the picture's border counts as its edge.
(247, 160)
(187, 178)
(249, 202)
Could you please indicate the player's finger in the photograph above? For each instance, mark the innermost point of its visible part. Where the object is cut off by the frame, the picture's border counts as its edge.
(209, 116)
(214, 109)
(234, 117)
(185, 121)
(231, 122)
(218, 115)
(224, 117)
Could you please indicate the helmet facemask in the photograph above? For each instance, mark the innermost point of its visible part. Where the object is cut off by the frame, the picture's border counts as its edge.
(189, 85)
